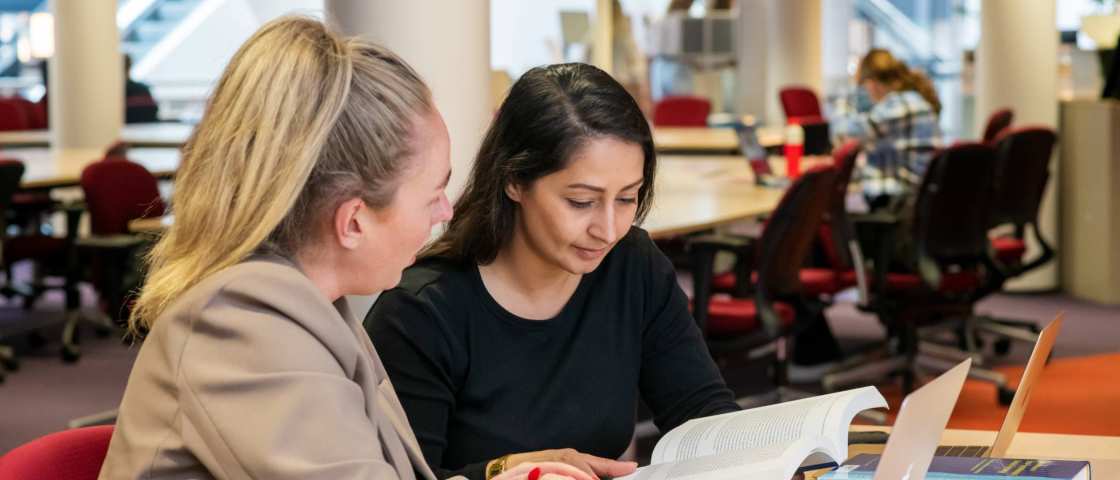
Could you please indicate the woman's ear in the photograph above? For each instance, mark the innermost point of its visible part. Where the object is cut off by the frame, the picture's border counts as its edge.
(513, 191)
(349, 225)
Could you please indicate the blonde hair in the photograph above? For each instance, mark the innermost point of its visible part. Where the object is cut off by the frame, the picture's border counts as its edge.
(301, 119)
(880, 65)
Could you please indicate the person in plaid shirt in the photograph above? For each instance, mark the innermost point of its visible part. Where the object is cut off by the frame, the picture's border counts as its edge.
(899, 128)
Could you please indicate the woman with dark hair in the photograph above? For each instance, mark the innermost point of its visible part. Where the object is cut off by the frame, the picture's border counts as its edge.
(532, 327)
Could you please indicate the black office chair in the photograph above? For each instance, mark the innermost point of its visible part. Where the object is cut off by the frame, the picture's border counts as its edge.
(1021, 174)
(948, 265)
(11, 172)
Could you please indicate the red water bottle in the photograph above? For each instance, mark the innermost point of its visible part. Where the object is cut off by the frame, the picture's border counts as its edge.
(794, 147)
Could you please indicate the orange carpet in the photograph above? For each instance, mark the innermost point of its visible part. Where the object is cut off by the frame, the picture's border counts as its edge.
(1078, 395)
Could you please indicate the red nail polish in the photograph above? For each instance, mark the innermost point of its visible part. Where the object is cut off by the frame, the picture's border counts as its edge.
(535, 473)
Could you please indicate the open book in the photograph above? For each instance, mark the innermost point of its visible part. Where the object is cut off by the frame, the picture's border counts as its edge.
(771, 442)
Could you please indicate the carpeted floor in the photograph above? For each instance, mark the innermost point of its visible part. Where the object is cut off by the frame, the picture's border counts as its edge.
(1074, 395)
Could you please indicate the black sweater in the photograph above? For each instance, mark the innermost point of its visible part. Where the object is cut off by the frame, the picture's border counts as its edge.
(478, 382)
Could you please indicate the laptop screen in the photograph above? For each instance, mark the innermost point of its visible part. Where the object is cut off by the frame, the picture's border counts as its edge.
(753, 150)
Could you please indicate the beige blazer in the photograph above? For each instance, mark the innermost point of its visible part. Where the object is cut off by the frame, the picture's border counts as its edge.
(254, 374)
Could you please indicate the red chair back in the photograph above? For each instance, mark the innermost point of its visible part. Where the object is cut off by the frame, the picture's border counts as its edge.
(799, 102)
(75, 454)
(118, 191)
(13, 116)
(836, 230)
(682, 111)
(36, 117)
(999, 121)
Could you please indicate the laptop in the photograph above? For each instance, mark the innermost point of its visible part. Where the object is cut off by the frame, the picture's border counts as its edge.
(1014, 416)
(757, 157)
(917, 430)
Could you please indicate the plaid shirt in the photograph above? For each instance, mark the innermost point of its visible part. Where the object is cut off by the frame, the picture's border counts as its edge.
(899, 133)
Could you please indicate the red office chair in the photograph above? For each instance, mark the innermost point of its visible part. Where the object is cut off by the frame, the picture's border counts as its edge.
(799, 102)
(949, 265)
(12, 116)
(117, 191)
(75, 454)
(769, 317)
(36, 118)
(834, 237)
(682, 111)
(999, 121)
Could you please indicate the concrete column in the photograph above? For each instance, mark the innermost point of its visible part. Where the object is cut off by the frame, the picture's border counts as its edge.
(751, 67)
(86, 91)
(794, 45)
(602, 50)
(448, 43)
(1017, 67)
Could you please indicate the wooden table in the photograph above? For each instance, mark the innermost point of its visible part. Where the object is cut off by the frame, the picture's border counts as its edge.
(704, 140)
(697, 193)
(690, 195)
(165, 135)
(46, 168)
(1103, 453)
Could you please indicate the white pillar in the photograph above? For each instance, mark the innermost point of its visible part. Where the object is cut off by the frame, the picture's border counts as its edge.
(1017, 67)
(751, 64)
(794, 50)
(836, 21)
(86, 91)
(448, 43)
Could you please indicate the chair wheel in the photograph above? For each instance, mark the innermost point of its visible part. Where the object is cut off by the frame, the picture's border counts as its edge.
(1002, 346)
(1006, 395)
(71, 354)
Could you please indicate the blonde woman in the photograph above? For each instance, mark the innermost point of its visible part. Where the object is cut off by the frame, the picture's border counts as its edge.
(316, 172)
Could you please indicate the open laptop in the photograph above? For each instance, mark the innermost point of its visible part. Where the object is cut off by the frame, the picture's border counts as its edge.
(757, 157)
(917, 430)
(1014, 416)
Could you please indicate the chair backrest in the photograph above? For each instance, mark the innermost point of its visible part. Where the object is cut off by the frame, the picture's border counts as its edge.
(836, 229)
(1021, 172)
(118, 191)
(997, 123)
(799, 102)
(13, 116)
(790, 230)
(75, 454)
(682, 111)
(953, 205)
(11, 173)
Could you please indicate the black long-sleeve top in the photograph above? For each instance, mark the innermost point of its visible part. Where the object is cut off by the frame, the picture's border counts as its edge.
(478, 382)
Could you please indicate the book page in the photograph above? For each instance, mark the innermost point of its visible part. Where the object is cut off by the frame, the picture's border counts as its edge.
(774, 425)
(758, 463)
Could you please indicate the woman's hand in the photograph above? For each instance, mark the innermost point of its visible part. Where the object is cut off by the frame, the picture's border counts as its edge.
(593, 466)
(543, 471)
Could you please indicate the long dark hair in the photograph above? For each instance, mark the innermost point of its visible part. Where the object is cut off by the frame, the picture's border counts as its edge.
(550, 112)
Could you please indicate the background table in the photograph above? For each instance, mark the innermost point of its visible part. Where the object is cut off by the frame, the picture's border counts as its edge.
(166, 134)
(697, 193)
(46, 168)
(704, 140)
